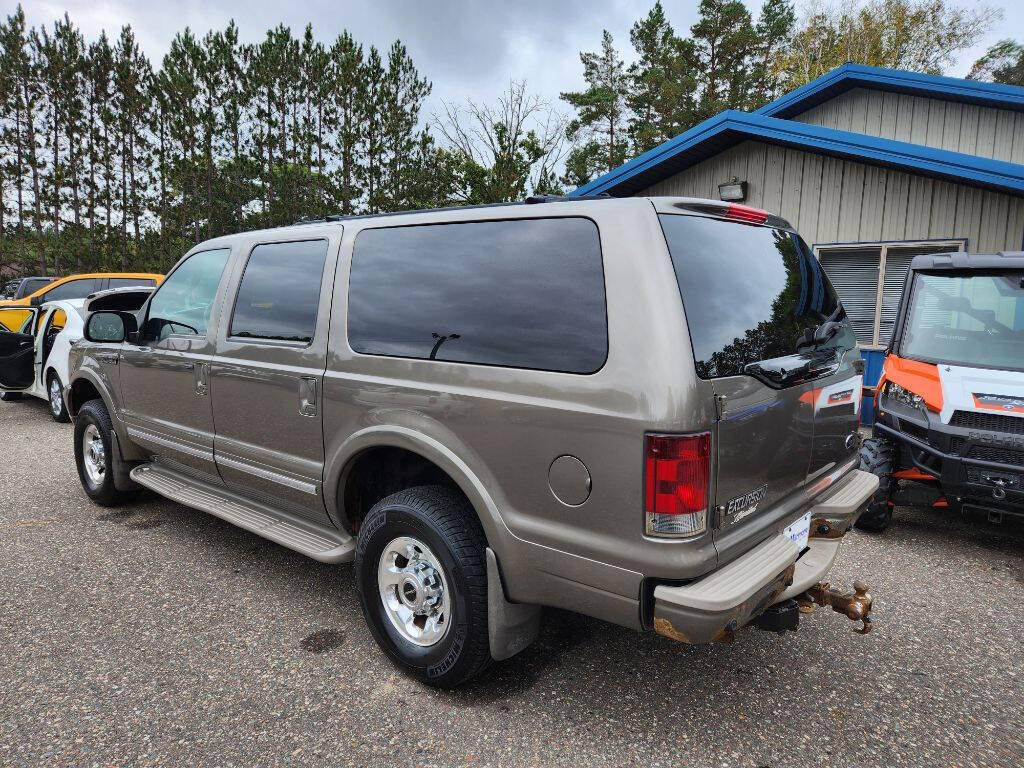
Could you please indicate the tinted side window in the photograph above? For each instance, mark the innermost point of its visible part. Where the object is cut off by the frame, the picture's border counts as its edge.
(184, 301)
(129, 282)
(749, 292)
(73, 289)
(280, 291)
(523, 294)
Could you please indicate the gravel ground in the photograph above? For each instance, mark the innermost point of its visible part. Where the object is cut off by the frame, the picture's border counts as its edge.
(157, 635)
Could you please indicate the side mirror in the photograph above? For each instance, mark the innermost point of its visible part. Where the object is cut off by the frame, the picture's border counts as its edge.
(36, 301)
(110, 327)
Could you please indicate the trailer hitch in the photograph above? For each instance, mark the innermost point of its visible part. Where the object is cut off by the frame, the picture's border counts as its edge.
(855, 605)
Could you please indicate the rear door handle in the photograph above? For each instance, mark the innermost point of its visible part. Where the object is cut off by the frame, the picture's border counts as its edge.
(307, 396)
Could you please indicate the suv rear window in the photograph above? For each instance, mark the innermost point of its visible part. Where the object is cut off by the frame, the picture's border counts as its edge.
(522, 294)
(749, 292)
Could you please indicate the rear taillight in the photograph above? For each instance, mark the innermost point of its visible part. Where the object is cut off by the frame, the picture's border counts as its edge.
(676, 472)
(746, 213)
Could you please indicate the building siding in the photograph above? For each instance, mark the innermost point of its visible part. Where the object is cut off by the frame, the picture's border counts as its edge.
(830, 200)
(967, 128)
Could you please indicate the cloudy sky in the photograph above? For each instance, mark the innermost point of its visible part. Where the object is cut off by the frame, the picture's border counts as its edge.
(467, 49)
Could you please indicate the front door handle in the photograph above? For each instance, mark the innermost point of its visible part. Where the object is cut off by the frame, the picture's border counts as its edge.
(307, 396)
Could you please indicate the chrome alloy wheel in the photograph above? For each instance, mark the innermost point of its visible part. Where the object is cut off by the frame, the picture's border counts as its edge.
(414, 591)
(94, 456)
(56, 398)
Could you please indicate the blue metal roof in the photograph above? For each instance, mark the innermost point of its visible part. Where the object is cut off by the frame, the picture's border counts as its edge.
(850, 76)
(731, 127)
(767, 124)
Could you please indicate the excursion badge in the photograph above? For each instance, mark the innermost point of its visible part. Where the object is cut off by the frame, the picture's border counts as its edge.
(746, 504)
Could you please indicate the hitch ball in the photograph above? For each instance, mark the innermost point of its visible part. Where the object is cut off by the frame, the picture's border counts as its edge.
(855, 606)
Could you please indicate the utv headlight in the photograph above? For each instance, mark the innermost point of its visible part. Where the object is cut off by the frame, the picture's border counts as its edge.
(904, 396)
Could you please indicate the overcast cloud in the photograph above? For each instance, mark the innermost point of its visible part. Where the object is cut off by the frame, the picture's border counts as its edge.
(467, 49)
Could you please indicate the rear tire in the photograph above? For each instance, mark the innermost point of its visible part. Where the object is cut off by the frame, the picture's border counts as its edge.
(426, 542)
(55, 394)
(94, 454)
(10, 397)
(878, 456)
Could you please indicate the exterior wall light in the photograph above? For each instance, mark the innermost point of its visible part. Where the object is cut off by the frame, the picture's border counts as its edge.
(734, 191)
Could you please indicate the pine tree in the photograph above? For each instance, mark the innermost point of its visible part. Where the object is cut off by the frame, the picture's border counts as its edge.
(774, 31)
(349, 86)
(374, 105)
(403, 95)
(600, 109)
(132, 105)
(235, 169)
(662, 82)
(724, 40)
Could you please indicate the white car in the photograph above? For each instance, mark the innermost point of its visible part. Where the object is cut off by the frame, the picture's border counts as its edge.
(35, 341)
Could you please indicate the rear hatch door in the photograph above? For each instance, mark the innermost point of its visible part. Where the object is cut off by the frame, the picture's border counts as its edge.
(753, 296)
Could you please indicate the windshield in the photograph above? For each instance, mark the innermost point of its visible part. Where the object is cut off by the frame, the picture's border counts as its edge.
(752, 294)
(974, 319)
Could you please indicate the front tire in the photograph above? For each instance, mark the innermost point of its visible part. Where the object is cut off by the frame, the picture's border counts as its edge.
(55, 394)
(421, 575)
(94, 455)
(878, 457)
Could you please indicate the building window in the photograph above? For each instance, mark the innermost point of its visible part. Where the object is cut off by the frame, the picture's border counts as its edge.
(869, 279)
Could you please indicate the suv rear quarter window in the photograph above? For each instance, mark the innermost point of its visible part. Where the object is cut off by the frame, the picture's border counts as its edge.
(525, 293)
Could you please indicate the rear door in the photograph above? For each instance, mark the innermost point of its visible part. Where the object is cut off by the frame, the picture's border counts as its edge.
(17, 348)
(751, 294)
(267, 376)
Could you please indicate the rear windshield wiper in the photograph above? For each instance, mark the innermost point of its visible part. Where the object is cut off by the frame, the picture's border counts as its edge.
(782, 372)
(823, 332)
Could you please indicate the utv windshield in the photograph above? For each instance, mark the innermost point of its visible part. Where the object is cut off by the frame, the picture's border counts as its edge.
(753, 294)
(967, 318)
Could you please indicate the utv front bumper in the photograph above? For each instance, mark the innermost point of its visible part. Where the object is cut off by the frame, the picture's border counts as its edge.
(964, 461)
(712, 608)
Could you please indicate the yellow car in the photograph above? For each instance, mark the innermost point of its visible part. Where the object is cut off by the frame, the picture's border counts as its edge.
(80, 286)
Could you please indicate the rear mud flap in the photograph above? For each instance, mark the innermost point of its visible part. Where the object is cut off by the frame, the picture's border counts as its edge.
(511, 627)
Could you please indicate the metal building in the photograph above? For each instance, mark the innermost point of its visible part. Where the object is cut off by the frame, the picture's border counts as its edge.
(873, 166)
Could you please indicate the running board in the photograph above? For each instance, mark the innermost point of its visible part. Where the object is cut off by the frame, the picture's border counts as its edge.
(328, 545)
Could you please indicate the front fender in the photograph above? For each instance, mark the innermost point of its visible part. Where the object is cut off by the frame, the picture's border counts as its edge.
(87, 375)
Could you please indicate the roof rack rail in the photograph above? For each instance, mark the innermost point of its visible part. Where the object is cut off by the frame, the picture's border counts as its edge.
(335, 217)
(537, 199)
(531, 200)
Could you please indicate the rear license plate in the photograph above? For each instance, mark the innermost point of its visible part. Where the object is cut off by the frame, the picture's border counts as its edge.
(799, 531)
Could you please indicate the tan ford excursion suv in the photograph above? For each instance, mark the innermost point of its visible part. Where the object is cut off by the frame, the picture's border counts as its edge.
(643, 410)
